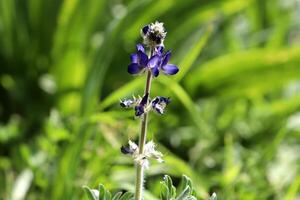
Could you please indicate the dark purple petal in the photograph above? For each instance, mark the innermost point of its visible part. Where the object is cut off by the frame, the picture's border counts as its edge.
(165, 100)
(155, 71)
(143, 58)
(155, 101)
(170, 69)
(139, 110)
(159, 50)
(140, 47)
(126, 150)
(134, 68)
(145, 29)
(144, 100)
(134, 58)
(153, 61)
(166, 58)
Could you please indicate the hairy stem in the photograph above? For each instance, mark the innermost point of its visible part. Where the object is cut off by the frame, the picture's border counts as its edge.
(142, 141)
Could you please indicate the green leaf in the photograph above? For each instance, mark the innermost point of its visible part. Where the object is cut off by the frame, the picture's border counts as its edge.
(168, 191)
(117, 196)
(193, 53)
(185, 182)
(90, 193)
(184, 194)
(127, 196)
(103, 193)
(213, 197)
(164, 191)
(171, 188)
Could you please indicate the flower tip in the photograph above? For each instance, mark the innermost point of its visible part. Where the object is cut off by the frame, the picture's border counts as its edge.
(125, 150)
(153, 34)
(145, 29)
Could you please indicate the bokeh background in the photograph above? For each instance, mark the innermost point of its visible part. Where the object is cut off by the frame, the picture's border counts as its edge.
(233, 125)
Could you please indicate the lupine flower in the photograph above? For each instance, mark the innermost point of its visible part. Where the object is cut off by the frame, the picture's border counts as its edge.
(163, 65)
(159, 61)
(133, 148)
(142, 159)
(126, 103)
(140, 109)
(153, 34)
(169, 69)
(159, 104)
(129, 103)
(140, 61)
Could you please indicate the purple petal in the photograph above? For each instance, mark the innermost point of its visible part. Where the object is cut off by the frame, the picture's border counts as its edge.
(165, 100)
(159, 109)
(144, 100)
(159, 50)
(166, 58)
(155, 71)
(145, 29)
(155, 101)
(134, 58)
(140, 47)
(133, 68)
(139, 110)
(170, 69)
(153, 61)
(126, 150)
(143, 58)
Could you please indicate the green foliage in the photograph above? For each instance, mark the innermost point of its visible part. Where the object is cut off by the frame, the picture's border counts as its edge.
(232, 125)
(169, 192)
(103, 194)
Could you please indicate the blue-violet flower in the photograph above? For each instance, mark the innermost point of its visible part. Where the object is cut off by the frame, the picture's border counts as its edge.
(159, 103)
(140, 109)
(140, 61)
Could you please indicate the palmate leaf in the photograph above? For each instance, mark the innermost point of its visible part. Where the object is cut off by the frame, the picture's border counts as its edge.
(168, 191)
(91, 193)
(185, 190)
(103, 194)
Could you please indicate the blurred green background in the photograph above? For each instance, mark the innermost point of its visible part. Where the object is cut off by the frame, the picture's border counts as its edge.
(233, 125)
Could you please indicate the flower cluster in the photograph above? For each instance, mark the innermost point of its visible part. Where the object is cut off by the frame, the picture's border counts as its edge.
(142, 159)
(154, 34)
(145, 104)
(140, 62)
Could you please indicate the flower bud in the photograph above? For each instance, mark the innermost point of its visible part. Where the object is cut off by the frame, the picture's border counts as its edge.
(153, 34)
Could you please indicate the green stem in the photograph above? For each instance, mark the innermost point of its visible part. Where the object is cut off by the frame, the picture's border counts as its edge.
(142, 141)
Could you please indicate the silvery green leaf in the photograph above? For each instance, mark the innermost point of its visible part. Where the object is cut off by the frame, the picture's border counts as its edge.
(186, 181)
(102, 192)
(171, 188)
(213, 196)
(127, 196)
(117, 196)
(184, 194)
(164, 193)
(191, 197)
(91, 193)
